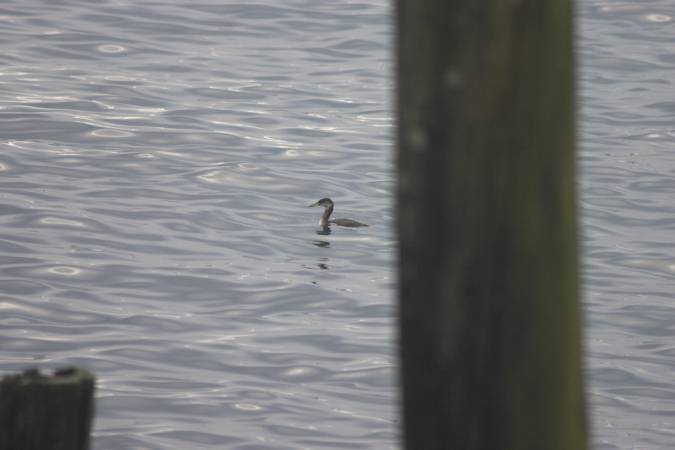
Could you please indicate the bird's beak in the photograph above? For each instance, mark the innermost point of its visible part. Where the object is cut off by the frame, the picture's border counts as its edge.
(313, 204)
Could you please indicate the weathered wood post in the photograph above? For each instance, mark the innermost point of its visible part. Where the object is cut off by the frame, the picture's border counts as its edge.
(489, 313)
(39, 412)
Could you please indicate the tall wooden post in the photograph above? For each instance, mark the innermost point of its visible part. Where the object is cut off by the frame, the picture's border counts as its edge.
(39, 412)
(489, 311)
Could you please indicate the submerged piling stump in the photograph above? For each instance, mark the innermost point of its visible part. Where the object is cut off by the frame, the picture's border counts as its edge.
(46, 412)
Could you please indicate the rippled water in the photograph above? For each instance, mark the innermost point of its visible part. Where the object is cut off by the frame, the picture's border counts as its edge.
(628, 187)
(156, 161)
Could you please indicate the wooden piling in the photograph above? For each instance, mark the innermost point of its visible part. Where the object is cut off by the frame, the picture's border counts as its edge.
(46, 412)
(489, 312)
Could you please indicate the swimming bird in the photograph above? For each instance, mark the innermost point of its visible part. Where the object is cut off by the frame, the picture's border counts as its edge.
(328, 204)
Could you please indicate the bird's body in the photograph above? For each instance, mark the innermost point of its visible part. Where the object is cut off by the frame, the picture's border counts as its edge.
(325, 220)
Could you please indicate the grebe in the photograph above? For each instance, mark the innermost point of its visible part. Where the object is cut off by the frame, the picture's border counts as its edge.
(324, 222)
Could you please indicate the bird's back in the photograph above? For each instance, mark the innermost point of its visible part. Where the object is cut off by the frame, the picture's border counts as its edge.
(347, 223)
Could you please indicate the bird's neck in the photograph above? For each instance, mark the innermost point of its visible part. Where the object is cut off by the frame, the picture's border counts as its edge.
(324, 217)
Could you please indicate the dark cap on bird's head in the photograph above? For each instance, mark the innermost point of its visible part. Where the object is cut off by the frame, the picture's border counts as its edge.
(325, 202)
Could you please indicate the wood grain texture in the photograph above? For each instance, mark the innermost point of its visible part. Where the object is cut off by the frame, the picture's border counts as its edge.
(489, 310)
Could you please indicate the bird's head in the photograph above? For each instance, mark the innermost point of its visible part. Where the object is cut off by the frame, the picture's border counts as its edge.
(324, 202)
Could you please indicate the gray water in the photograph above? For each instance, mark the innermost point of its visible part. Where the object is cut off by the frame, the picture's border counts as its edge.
(156, 163)
(627, 162)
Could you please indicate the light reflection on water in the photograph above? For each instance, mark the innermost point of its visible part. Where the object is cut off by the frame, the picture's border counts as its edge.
(626, 196)
(156, 166)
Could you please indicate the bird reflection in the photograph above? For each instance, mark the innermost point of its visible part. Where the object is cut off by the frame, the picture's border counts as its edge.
(320, 243)
(324, 231)
(322, 261)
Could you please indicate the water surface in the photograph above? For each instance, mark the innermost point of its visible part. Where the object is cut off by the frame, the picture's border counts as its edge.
(156, 161)
(627, 186)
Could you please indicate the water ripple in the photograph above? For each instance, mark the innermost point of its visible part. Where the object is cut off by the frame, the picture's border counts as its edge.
(156, 165)
(627, 188)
